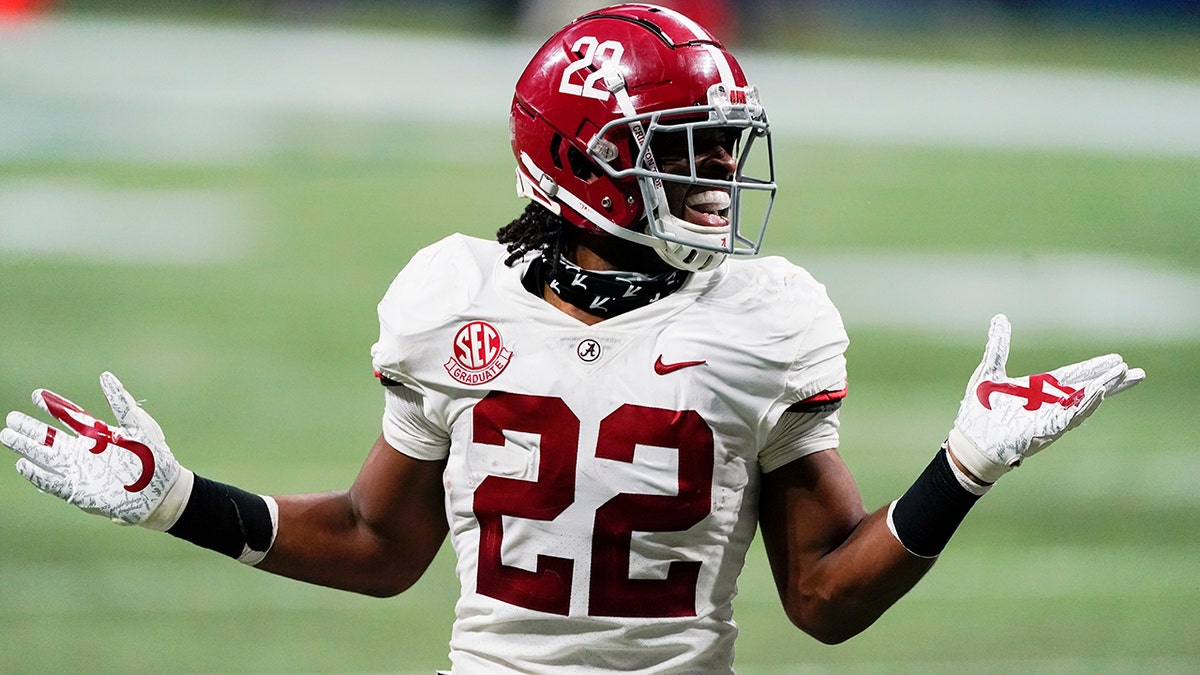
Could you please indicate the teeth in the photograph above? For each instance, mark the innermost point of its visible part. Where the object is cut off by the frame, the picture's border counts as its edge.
(709, 201)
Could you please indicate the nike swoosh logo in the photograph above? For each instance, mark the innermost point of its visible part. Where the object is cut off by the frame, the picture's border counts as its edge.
(665, 368)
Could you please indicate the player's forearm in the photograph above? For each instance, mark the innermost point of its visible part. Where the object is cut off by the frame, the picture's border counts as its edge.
(837, 567)
(849, 588)
(888, 551)
(376, 538)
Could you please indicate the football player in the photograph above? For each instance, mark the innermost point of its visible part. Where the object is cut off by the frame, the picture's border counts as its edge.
(603, 406)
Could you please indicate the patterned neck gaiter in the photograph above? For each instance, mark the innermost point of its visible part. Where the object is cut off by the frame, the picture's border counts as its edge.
(605, 294)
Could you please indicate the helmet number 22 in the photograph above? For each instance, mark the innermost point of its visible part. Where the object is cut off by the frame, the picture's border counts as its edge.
(589, 49)
(611, 590)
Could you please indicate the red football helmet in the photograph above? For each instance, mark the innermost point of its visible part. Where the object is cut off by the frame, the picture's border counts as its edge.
(585, 118)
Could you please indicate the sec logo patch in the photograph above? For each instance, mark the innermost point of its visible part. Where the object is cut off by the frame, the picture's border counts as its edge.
(478, 354)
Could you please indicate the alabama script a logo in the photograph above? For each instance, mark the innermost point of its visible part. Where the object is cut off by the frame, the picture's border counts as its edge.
(101, 434)
(1035, 394)
(479, 354)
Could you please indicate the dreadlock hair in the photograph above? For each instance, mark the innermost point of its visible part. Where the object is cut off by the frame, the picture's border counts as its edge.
(535, 229)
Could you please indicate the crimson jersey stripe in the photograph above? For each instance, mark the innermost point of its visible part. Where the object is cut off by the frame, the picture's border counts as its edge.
(386, 381)
(822, 402)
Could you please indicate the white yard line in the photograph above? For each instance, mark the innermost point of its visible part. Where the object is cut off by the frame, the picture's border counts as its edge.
(1103, 571)
(974, 107)
(80, 221)
(194, 94)
(228, 73)
(1082, 296)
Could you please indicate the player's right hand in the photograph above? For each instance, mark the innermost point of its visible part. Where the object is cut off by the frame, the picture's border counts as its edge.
(125, 473)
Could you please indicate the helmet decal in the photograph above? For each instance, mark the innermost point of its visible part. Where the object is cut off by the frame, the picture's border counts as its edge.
(590, 49)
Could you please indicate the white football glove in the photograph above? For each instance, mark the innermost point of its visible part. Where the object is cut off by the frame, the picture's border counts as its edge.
(127, 474)
(1003, 420)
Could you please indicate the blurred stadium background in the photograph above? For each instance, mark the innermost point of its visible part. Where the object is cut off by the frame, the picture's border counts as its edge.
(209, 200)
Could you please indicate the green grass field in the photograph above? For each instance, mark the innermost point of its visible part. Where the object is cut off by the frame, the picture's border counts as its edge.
(1086, 560)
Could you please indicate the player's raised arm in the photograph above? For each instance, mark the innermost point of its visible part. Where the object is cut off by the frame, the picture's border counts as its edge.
(838, 569)
(128, 474)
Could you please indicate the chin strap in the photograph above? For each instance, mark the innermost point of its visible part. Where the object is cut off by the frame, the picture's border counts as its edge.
(545, 191)
(551, 195)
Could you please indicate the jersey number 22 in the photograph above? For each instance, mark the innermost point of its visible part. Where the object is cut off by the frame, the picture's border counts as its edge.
(612, 591)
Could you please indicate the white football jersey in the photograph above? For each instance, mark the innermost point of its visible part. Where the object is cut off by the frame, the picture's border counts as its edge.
(602, 481)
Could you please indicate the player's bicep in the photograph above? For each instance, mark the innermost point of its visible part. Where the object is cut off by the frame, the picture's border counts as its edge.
(377, 537)
(807, 508)
(400, 499)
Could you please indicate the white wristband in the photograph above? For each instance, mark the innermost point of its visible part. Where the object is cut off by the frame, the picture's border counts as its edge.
(962, 449)
(964, 479)
(164, 516)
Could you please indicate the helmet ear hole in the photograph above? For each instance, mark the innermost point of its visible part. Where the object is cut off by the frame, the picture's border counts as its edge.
(555, 148)
(581, 166)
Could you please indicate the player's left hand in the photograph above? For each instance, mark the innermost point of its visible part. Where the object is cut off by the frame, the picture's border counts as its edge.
(1003, 420)
(124, 473)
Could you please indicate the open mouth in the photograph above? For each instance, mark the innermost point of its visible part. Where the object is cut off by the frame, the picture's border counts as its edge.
(709, 209)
